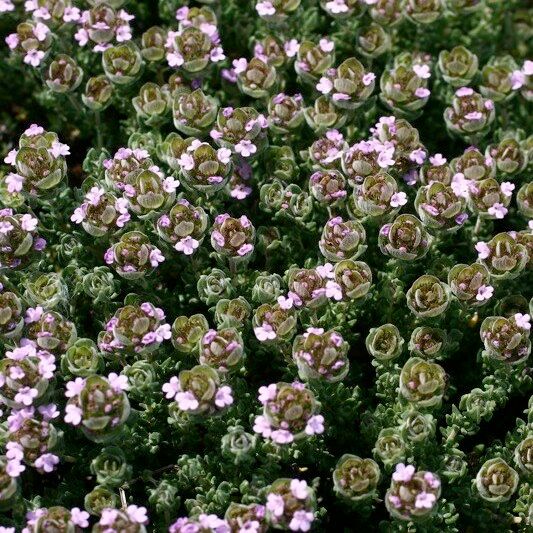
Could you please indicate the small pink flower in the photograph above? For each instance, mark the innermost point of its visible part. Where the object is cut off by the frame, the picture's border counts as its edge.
(137, 514)
(483, 250)
(385, 159)
(186, 161)
(282, 436)
(79, 518)
(497, 210)
(156, 257)
(223, 397)
(437, 160)
(262, 426)
(187, 245)
(267, 393)
(299, 489)
(403, 472)
(474, 115)
(26, 395)
(275, 504)
(47, 462)
(464, 91)
(418, 156)
(217, 54)
(326, 45)
(301, 520)
(324, 85)
(218, 238)
(291, 47)
(71, 14)
(422, 71)
(175, 59)
(337, 7)
(33, 314)
(186, 401)
(333, 290)
(518, 79)
(40, 31)
(118, 382)
(265, 332)
(422, 92)
(171, 388)
(265, 9)
(523, 321)
(12, 41)
(484, 293)
(315, 425)
(339, 97)
(14, 182)
(245, 148)
(398, 199)
(425, 500)
(285, 302)
(433, 480)
(240, 65)
(34, 57)
(245, 249)
(224, 155)
(368, 78)
(14, 468)
(507, 188)
(74, 388)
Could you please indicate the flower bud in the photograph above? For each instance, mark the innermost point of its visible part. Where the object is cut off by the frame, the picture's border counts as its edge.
(258, 79)
(388, 13)
(505, 257)
(423, 11)
(354, 278)
(496, 481)
(308, 286)
(343, 9)
(214, 286)
(280, 323)
(233, 313)
(290, 505)
(24, 42)
(454, 466)
(51, 331)
(164, 497)
(470, 116)
(233, 238)
(405, 239)
(153, 44)
(460, 7)
(486, 194)
(110, 467)
(412, 495)
(465, 282)
(417, 427)
(82, 359)
(122, 63)
(285, 113)
(11, 315)
(422, 383)
(152, 104)
(313, 60)
(390, 446)
(193, 112)
(441, 173)
(222, 349)
(119, 520)
(509, 156)
(280, 10)
(126, 163)
(428, 297)
(320, 355)
(98, 92)
(267, 288)
(385, 342)
(374, 197)
(474, 165)
(439, 208)
(505, 339)
(133, 256)
(9, 486)
(323, 115)
(458, 66)
(240, 446)
(356, 479)
(428, 343)
(342, 240)
(99, 499)
(142, 379)
(47, 290)
(99, 407)
(188, 331)
(63, 74)
(373, 41)
(100, 285)
(523, 455)
(193, 47)
(496, 80)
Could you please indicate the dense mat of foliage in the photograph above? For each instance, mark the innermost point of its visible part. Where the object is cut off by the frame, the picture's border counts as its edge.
(266, 264)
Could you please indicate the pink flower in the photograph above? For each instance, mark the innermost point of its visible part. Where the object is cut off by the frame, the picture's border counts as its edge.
(34, 57)
(326, 45)
(174, 59)
(474, 115)
(6, 6)
(333, 290)
(418, 156)
(267, 393)
(285, 302)
(282, 436)
(315, 425)
(246, 148)
(5, 227)
(433, 480)
(422, 92)
(11, 157)
(337, 6)
(187, 401)
(262, 426)
(522, 321)
(14, 468)
(265, 332)
(301, 520)
(324, 85)
(265, 9)
(497, 210)
(58, 149)
(171, 388)
(156, 257)
(507, 188)
(299, 489)
(186, 161)
(422, 71)
(337, 97)
(79, 214)
(224, 155)
(74, 388)
(12, 41)
(368, 78)
(398, 199)
(71, 14)
(223, 397)
(437, 160)
(218, 238)
(425, 500)
(108, 517)
(33, 314)
(464, 91)
(403, 472)
(291, 47)
(40, 31)
(28, 223)
(245, 249)
(47, 462)
(26, 395)
(137, 514)
(118, 383)
(34, 130)
(49, 411)
(385, 159)
(483, 250)
(240, 65)
(484, 292)
(518, 78)
(14, 182)
(79, 518)
(187, 245)
(217, 54)
(275, 504)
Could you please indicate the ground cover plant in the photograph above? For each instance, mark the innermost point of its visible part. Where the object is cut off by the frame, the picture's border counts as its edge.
(266, 264)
